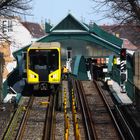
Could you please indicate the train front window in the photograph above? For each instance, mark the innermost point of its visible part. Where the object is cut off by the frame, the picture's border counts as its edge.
(45, 57)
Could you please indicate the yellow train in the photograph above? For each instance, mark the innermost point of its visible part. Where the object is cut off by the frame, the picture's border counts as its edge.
(44, 65)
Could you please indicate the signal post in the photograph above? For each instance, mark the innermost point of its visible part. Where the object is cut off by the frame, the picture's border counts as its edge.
(123, 70)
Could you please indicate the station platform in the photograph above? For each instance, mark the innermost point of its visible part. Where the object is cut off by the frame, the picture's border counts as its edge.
(122, 98)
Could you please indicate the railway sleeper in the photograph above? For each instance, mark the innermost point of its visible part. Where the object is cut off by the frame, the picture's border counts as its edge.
(103, 122)
(98, 110)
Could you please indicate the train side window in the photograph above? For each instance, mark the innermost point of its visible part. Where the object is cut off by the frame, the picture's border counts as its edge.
(22, 65)
(54, 59)
(24, 60)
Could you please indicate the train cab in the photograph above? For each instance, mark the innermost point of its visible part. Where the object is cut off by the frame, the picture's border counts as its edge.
(44, 63)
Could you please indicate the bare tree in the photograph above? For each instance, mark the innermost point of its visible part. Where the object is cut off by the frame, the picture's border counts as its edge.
(10, 7)
(124, 11)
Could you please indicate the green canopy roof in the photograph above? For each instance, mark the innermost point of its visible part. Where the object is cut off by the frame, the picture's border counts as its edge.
(105, 35)
(70, 27)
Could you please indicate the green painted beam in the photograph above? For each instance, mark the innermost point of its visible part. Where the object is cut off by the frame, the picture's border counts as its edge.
(80, 68)
(86, 37)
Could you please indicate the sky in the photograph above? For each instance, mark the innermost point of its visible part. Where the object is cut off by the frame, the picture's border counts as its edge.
(55, 10)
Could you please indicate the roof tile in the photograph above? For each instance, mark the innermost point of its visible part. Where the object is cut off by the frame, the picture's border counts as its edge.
(34, 28)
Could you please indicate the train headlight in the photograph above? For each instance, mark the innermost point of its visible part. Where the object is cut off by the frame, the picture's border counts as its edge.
(32, 76)
(54, 76)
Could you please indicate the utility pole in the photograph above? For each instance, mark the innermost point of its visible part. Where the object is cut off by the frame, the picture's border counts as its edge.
(1, 77)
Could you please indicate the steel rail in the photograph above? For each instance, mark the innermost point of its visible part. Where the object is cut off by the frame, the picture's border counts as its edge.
(110, 111)
(49, 122)
(12, 124)
(90, 130)
(123, 121)
(24, 120)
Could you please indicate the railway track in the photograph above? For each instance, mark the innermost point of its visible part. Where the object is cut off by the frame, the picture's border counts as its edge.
(13, 124)
(49, 133)
(120, 116)
(25, 118)
(87, 114)
(99, 120)
(85, 111)
(37, 122)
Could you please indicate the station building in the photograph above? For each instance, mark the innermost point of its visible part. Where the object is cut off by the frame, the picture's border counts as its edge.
(78, 39)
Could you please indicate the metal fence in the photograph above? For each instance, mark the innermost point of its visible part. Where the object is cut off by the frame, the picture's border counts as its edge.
(12, 78)
(130, 87)
(115, 75)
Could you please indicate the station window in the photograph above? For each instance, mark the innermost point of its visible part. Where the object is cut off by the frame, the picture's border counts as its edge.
(10, 26)
(4, 26)
(7, 26)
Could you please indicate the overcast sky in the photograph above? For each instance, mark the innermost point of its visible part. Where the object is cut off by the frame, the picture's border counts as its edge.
(56, 10)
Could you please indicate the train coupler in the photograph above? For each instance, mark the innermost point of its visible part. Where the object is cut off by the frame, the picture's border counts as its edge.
(43, 86)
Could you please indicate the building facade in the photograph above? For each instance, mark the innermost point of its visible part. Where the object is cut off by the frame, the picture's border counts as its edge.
(14, 35)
